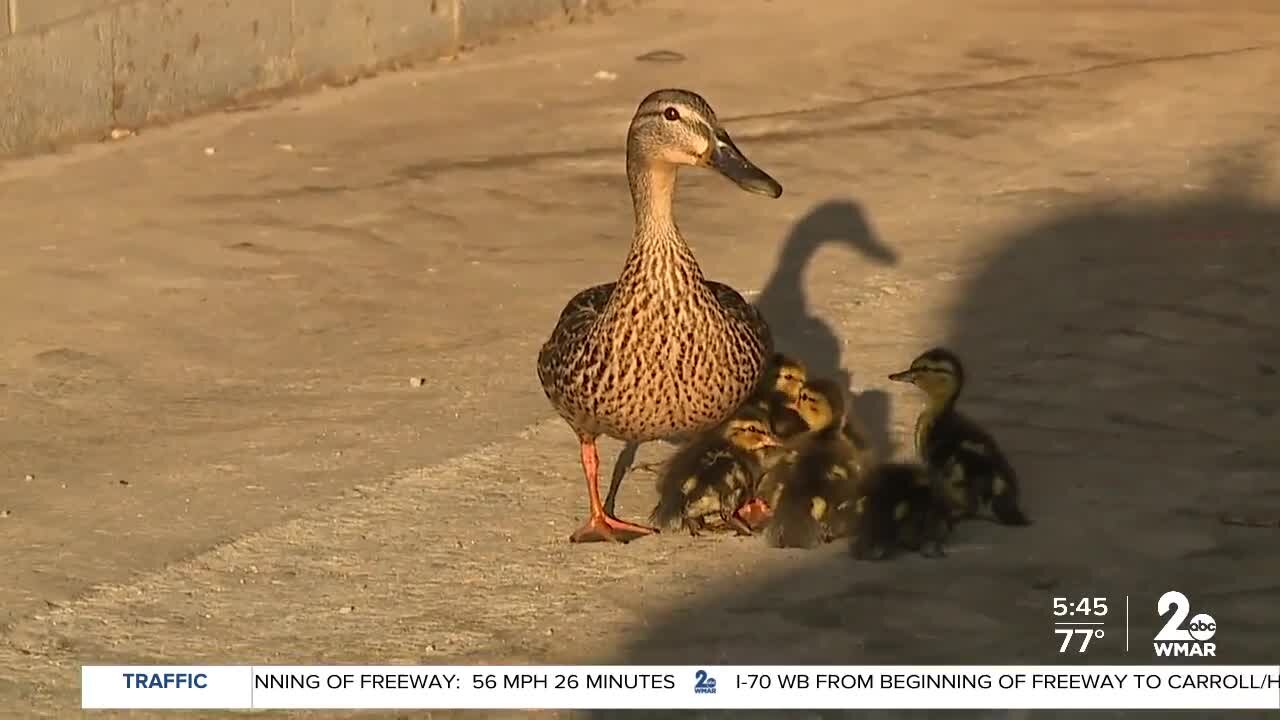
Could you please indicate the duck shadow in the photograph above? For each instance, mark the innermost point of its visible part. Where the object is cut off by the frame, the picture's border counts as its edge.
(1127, 357)
(798, 330)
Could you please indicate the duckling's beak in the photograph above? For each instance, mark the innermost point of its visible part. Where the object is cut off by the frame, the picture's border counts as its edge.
(904, 376)
(729, 160)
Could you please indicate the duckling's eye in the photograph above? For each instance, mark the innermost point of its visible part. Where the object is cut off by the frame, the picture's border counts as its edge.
(671, 114)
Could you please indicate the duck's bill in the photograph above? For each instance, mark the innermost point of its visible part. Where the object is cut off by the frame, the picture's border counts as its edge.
(730, 162)
(904, 376)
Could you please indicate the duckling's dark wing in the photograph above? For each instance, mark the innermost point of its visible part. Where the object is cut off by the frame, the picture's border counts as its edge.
(875, 533)
(736, 477)
(792, 524)
(877, 528)
(985, 464)
(803, 480)
(972, 444)
(737, 307)
(692, 460)
(829, 446)
(955, 436)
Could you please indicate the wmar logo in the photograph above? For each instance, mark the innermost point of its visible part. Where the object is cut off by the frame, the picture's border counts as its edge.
(704, 683)
(1175, 641)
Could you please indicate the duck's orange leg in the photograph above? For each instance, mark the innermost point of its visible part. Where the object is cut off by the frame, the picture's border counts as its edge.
(602, 527)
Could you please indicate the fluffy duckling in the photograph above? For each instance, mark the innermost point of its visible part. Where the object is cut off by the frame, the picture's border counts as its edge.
(899, 505)
(976, 473)
(788, 377)
(715, 474)
(777, 395)
(812, 490)
(780, 392)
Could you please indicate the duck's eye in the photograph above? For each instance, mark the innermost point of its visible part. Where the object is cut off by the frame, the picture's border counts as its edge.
(671, 114)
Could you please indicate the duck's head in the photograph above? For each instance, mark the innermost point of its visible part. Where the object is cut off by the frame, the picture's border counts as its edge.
(749, 430)
(790, 375)
(820, 404)
(678, 127)
(937, 372)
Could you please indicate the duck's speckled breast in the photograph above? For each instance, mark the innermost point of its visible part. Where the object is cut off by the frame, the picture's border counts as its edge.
(655, 367)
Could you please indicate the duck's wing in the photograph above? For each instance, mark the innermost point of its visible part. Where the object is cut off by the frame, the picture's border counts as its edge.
(1000, 486)
(575, 321)
(581, 311)
(739, 309)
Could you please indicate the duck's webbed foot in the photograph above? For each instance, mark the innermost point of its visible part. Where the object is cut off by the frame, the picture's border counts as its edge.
(603, 528)
(755, 513)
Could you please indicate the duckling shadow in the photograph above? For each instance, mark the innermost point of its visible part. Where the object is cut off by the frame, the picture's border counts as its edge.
(1127, 357)
(797, 329)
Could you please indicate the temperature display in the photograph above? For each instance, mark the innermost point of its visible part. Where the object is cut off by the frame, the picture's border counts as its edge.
(1079, 621)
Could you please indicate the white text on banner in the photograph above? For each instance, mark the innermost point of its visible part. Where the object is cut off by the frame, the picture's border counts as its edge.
(494, 687)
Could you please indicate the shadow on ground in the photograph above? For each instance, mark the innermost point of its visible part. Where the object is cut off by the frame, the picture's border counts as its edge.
(797, 329)
(1128, 358)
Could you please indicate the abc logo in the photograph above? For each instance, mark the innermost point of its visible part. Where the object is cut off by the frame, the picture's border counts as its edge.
(1202, 627)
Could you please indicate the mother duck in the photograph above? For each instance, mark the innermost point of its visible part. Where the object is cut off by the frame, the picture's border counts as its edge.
(661, 353)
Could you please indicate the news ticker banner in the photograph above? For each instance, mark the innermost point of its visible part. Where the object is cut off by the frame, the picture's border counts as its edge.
(641, 687)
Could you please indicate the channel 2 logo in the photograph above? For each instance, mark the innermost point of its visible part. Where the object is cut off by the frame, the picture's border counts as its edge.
(704, 684)
(1174, 640)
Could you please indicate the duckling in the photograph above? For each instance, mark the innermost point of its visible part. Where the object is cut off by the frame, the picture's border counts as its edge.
(662, 352)
(715, 474)
(779, 394)
(899, 505)
(975, 471)
(812, 490)
(789, 376)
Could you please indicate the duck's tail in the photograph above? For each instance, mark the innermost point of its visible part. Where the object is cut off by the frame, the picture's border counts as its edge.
(1004, 498)
(1007, 512)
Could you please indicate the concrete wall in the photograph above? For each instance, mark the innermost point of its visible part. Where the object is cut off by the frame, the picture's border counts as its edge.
(72, 69)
